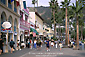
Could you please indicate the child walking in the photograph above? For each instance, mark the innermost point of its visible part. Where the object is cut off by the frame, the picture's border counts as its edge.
(60, 45)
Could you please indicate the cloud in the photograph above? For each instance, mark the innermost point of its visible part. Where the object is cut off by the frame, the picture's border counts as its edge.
(29, 3)
(72, 1)
(42, 2)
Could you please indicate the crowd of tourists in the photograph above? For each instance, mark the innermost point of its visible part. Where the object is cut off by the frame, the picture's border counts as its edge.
(36, 44)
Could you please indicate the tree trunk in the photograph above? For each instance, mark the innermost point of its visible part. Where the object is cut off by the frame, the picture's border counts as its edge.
(77, 33)
(66, 28)
(59, 33)
(68, 32)
(54, 30)
(74, 34)
(34, 7)
(54, 23)
(81, 34)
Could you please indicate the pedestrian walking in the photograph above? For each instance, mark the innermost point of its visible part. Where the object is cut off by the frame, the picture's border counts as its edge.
(18, 45)
(1, 45)
(31, 43)
(56, 43)
(52, 43)
(41, 42)
(28, 43)
(48, 45)
(60, 45)
(35, 43)
(38, 44)
(12, 45)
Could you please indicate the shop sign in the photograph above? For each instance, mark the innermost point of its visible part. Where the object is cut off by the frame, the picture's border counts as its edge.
(6, 25)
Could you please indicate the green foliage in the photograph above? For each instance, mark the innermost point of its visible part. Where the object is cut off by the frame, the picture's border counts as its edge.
(82, 41)
(84, 32)
(33, 1)
(54, 38)
(55, 9)
(81, 22)
(65, 3)
(74, 24)
(79, 6)
(73, 34)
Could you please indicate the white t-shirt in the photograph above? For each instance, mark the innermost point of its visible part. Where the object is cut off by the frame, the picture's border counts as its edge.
(60, 45)
(35, 42)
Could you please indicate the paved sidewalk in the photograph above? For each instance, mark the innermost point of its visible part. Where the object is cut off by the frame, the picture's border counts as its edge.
(65, 52)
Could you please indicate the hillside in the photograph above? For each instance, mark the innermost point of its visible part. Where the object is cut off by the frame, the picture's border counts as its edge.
(44, 12)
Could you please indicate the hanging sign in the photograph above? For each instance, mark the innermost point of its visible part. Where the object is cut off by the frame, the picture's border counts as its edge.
(6, 25)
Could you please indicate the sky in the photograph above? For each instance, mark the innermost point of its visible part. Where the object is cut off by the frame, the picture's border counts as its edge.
(42, 3)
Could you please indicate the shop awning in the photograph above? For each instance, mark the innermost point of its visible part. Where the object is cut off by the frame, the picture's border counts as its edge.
(33, 30)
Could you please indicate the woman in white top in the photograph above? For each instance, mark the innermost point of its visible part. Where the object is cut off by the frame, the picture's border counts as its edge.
(52, 43)
(28, 43)
(35, 43)
(56, 43)
(60, 45)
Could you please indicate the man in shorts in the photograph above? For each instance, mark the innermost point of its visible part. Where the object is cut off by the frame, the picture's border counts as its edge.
(1, 45)
(12, 45)
(48, 45)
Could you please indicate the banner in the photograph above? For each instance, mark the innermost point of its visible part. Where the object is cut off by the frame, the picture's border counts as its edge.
(24, 3)
(17, 2)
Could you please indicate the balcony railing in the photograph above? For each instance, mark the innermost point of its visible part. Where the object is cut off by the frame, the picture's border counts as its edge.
(3, 1)
(9, 5)
(24, 23)
(15, 10)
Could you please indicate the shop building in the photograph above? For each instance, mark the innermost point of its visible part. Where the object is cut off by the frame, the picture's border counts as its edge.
(9, 11)
(24, 26)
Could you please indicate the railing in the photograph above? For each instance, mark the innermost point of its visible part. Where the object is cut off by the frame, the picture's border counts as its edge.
(15, 10)
(9, 5)
(3, 1)
(24, 23)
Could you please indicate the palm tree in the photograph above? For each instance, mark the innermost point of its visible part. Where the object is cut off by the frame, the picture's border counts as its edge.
(70, 16)
(77, 9)
(34, 2)
(62, 30)
(74, 25)
(59, 20)
(65, 5)
(81, 24)
(54, 6)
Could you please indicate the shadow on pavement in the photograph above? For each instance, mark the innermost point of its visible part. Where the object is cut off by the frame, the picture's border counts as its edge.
(83, 54)
(66, 56)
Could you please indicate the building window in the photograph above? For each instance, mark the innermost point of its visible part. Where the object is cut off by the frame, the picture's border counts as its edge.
(9, 1)
(26, 17)
(15, 3)
(21, 13)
